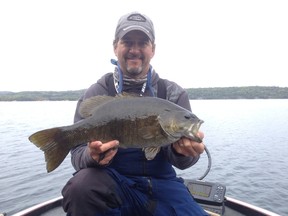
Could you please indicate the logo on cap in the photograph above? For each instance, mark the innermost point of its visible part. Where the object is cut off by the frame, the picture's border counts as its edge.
(137, 18)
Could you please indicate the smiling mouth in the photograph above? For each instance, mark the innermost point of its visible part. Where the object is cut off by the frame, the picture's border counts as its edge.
(134, 59)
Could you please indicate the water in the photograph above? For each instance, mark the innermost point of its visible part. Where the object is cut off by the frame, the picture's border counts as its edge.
(247, 140)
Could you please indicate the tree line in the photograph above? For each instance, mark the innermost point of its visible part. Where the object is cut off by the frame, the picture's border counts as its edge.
(251, 92)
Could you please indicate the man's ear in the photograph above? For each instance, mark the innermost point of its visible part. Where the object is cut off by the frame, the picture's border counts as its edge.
(153, 50)
(115, 42)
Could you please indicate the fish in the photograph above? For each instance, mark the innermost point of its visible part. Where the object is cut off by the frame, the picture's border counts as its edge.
(136, 122)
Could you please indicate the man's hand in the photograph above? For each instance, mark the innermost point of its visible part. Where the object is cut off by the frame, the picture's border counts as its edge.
(103, 152)
(189, 147)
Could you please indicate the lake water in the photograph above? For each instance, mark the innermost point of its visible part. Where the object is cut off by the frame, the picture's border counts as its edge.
(247, 139)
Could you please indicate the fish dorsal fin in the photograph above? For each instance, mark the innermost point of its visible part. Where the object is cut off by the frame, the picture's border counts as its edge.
(151, 152)
(88, 106)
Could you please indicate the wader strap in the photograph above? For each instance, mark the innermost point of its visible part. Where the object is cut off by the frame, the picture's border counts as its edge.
(161, 91)
(110, 84)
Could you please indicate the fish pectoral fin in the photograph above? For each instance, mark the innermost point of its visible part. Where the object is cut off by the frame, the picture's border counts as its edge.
(147, 132)
(151, 152)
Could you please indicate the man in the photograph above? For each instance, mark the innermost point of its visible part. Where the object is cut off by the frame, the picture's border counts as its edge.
(116, 181)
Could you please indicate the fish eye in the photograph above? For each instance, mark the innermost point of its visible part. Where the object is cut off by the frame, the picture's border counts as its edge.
(187, 117)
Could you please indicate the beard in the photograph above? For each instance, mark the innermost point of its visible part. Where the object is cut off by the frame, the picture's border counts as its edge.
(134, 71)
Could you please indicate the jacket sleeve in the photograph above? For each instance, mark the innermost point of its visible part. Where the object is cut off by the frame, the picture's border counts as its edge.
(80, 158)
(179, 96)
(180, 161)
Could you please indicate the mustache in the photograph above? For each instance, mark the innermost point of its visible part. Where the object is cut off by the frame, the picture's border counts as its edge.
(134, 56)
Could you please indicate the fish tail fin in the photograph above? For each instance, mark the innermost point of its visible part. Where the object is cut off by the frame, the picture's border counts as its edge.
(55, 151)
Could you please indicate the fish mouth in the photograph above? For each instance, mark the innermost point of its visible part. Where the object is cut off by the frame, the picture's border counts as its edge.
(193, 131)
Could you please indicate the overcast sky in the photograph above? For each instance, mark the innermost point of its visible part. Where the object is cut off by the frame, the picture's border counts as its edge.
(67, 45)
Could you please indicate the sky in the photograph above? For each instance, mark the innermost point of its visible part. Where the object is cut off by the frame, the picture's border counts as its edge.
(59, 45)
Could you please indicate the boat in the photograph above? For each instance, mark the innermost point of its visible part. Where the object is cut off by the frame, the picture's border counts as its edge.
(210, 195)
(217, 206)
(233, 207)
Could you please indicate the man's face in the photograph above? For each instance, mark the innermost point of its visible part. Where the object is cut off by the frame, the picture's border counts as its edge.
(134, 52)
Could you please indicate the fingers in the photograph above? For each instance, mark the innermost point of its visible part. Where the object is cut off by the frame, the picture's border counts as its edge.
(103, 153)
(107, 156)
(188, 147)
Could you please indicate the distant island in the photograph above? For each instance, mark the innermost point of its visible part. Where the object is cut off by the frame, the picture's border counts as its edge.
(250, 92)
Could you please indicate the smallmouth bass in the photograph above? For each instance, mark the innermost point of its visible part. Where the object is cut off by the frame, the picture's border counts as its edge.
(137, 122)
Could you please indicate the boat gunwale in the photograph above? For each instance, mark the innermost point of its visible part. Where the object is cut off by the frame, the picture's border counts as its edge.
(46, 205)
(230, 202)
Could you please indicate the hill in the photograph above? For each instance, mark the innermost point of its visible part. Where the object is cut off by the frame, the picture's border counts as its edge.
(251, 92)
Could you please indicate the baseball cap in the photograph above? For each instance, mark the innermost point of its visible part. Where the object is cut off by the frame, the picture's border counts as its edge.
(135, 21)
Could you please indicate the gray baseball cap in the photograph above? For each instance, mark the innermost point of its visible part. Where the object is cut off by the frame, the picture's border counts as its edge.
(135, 21)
